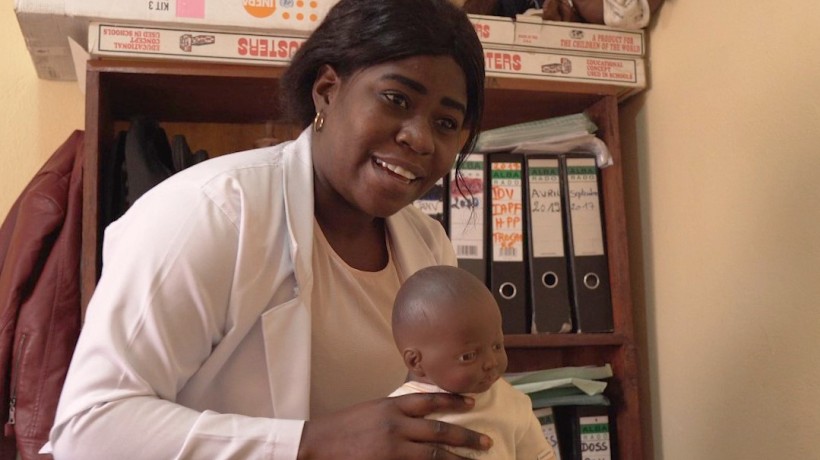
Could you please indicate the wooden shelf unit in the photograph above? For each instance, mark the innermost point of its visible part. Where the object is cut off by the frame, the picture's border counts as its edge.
(223, 108)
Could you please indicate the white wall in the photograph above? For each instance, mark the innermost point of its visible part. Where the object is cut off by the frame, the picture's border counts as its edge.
(726, 217)
(729, 216)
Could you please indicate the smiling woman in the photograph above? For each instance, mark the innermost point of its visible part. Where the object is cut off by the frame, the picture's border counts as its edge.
(406, 136)
(244, 305)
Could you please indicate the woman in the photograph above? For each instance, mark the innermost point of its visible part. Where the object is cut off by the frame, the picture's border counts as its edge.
(251, 293)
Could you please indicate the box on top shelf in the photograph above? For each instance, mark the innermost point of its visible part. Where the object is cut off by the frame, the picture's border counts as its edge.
(124, 40)
(578, 37)
(268, 15)
(47, 25)
(46, 29)
(626, 74)
(190, 43)
(499, 30)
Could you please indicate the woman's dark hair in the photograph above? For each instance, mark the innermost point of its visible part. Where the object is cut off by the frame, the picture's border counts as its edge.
(361, 33)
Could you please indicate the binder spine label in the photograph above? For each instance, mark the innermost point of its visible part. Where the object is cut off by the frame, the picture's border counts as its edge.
(595, 442)
(545, 207)
(547, 420)
(467, 209)
(431, 207)
(584, 204)
(432, 202)
(507, 221)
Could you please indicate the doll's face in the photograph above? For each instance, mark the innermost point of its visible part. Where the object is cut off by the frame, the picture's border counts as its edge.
(390, 131)
(464, 353)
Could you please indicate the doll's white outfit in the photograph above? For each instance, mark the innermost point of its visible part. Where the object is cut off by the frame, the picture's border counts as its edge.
(502, 413)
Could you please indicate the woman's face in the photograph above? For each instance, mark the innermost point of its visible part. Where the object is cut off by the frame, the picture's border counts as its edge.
(390, 131)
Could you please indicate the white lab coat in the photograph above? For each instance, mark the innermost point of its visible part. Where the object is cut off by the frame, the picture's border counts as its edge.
(197, 339)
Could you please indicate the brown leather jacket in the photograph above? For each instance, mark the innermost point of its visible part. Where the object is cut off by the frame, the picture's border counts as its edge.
(40, 314)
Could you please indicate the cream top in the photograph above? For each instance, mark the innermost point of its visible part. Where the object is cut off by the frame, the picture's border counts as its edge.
(354, 358)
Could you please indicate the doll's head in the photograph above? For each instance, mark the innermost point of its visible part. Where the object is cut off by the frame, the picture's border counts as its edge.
(447, 326)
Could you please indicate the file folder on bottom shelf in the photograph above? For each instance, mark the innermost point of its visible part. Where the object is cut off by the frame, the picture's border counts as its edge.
(592, 301)
(508, 273)
(585, 433)
(468, 197)
(547, 420)
(549, 281)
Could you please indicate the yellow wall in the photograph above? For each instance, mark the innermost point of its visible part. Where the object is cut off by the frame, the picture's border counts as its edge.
(729, 218)
(725, 210)
(36, 116)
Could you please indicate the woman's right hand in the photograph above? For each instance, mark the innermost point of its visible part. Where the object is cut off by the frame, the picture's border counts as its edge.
(391, 428)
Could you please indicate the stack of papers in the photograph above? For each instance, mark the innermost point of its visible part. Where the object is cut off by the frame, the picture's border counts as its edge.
(564, 134)
(563, 386)
(554, 129)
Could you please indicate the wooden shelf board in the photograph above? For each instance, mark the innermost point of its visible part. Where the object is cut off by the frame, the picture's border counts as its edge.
(562, 340)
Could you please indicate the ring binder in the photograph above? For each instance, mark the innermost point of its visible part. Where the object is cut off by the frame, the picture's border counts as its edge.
(585, 432)
(549, 281)
(591, 297)
(508, 274)
(467, 219)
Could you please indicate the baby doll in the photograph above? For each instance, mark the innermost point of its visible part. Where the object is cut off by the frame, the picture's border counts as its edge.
(447, 327)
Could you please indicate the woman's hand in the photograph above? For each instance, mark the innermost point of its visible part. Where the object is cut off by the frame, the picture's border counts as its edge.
(391, 428)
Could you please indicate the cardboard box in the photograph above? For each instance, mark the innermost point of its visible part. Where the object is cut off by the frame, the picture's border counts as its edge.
(47, 25)
(576, 37)
(187, 43)
(46, 29)
(270, 16)
(625, 73)
(493, 30)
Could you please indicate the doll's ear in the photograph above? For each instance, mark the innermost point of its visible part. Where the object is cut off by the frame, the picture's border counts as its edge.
(412, 359)
(325, 87)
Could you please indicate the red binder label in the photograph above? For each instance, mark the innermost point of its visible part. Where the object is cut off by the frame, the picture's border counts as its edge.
(507, 213)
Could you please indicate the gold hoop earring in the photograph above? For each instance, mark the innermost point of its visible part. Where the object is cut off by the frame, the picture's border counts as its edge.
(318, 121)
